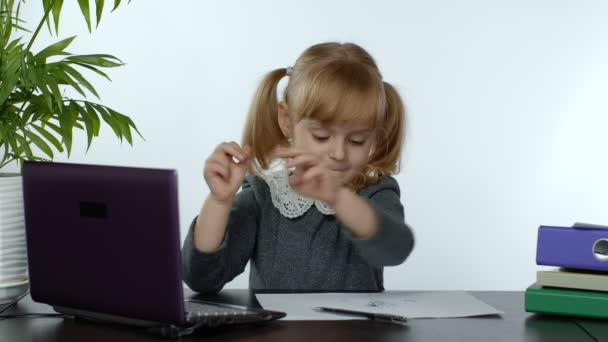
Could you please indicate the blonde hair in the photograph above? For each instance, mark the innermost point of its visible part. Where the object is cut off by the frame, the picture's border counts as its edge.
(331, 83)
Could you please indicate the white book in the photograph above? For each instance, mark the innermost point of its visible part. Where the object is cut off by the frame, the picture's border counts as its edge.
(571, 279)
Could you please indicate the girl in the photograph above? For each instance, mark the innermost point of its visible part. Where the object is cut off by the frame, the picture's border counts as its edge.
(332, 219)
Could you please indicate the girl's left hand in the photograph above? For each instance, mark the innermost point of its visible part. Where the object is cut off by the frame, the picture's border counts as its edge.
(312, 178)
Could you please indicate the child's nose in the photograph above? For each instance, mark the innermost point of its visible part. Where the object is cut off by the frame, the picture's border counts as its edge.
(337, 150)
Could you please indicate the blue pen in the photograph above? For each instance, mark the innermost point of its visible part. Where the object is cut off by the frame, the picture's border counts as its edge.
(369, 315)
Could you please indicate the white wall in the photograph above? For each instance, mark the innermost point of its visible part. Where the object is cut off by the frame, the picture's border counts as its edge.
(506, 104)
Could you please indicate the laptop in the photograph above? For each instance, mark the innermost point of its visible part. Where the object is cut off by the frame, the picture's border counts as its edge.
(103, 243)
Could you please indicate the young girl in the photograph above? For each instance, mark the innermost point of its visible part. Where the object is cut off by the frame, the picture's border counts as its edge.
(331, 219)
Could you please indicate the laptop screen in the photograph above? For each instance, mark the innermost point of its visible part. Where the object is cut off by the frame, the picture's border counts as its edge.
(104, 239)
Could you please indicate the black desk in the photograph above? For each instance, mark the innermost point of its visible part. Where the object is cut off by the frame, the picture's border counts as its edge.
(513, 325)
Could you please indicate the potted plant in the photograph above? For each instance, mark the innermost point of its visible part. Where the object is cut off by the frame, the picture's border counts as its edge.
(44, 96)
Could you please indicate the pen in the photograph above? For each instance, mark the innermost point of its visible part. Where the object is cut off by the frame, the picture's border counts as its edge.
(369, 315)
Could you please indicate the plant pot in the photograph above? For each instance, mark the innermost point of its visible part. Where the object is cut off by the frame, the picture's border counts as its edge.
(13, 254)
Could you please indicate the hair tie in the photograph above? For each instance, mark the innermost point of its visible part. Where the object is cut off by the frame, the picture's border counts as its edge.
(289, 70)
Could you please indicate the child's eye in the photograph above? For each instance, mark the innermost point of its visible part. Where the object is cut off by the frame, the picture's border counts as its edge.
(357, 142)
(320, 137)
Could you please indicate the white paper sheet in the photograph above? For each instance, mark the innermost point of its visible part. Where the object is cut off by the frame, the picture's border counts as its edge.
(410, 304)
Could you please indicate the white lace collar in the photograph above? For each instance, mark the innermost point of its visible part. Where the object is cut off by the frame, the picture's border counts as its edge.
(290, 203)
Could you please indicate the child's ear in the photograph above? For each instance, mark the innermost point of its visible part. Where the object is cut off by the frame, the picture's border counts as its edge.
(284, 120)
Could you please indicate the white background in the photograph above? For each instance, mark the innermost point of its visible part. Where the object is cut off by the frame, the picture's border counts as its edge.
(507, 110)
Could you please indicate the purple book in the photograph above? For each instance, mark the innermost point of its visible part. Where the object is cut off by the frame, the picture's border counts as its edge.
(581, 247)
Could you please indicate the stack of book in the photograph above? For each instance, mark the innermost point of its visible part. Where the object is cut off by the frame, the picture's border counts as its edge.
(579, 284)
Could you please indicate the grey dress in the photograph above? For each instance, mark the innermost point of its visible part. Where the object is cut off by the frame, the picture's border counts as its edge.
(311, 252)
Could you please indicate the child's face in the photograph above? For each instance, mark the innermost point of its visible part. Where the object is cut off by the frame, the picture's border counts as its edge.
(345, 148)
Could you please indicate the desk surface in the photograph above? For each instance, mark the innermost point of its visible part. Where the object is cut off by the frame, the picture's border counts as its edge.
(514, 325)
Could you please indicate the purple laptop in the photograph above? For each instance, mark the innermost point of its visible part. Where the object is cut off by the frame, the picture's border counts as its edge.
(103, 242)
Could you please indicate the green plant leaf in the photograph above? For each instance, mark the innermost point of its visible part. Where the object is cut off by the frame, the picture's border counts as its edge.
(74, 115)
(47, 94)
(54, 127)
(97, 60)
(57, 72)
(14, 21)
(89, 126)
(86, 13)
(11, 62)
(9, 139)
(42, 109)
(116, 4)
(42, 145)
(94, 70)
(7, 29)
(54, 87)
(3, 135)
(29, 77)
(48, 136)
(24, 145)
(28, 112)
(46, 5)
(54, 49)
(9, 73)
(94, 117)
(122, 123)
(131, 124)
(56, 10)
(88, 123)
(17, 20)
(13, 44)
(78, 77)
(109, 120)
(8, 113)
(19, 27)
(6, 152)
(66, 124)
(99, 10)
(6, 88)
(4, 143)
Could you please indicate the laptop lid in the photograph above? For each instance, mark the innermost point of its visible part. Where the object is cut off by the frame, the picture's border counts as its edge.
(104, 239)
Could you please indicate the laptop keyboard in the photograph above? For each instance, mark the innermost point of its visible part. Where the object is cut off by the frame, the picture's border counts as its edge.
(215, 313)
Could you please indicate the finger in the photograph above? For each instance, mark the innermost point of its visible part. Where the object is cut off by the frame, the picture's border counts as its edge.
(281, 152)
(241, 167)
(241, 156)
(238, 175)
(219, 157)
(304, 160)
(219, 169)
(302, 186)
(226, 158)
(233, 149)
(295, 180)
(248, 151)
(312, 173)
(238, 148)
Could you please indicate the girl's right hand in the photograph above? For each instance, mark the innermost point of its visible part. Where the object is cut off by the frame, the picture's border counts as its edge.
(225, 170)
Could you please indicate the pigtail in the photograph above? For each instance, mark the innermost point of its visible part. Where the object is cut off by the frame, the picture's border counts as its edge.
(393, 130)
(262, 131)
(389, 139)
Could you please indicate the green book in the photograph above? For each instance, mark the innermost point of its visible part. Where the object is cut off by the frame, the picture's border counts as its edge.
(568, 302)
